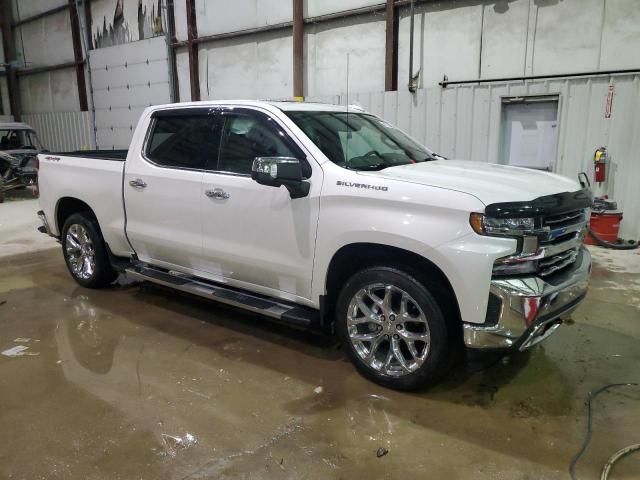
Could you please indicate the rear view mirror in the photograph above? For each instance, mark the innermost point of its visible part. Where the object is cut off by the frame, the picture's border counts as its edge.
(277, 171)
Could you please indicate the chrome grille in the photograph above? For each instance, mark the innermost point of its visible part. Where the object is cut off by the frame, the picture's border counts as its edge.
(561, 242)
(564, 219)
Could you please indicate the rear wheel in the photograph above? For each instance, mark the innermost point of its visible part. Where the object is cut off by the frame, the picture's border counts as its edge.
(393, 329)
(85, 252)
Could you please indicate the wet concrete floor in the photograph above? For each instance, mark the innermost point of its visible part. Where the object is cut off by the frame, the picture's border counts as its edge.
(140, 382)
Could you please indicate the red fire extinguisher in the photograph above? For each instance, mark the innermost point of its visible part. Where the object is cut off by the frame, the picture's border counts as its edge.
(600, 165)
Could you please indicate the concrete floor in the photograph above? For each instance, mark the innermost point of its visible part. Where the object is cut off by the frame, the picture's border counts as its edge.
(19, 223)
(141, 382)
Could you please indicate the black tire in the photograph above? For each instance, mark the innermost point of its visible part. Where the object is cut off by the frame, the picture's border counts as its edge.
(103, 273)
(437, 360)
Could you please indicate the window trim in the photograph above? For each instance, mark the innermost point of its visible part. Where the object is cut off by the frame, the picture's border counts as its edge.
(215, 112)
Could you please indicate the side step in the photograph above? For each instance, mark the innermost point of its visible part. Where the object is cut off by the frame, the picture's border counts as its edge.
(295, 315)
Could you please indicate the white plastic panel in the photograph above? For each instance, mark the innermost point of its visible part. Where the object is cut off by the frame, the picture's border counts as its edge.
(222, 16)
(55, 91)
(567, 36)
(621, 35)
(326, 47)
(64, 131)
(439, 48)
(504, 40)
(314, 8)
(46, 41)
(257, 67)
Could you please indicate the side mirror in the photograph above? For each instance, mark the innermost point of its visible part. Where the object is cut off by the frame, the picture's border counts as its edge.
(277, 171)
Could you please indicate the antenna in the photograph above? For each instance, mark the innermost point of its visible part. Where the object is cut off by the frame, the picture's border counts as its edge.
(348, 131)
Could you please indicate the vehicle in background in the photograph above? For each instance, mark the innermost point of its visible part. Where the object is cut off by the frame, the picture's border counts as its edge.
(327, 218)
(19, 147)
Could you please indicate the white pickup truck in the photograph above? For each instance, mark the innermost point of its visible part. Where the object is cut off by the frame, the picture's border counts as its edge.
(329, 219)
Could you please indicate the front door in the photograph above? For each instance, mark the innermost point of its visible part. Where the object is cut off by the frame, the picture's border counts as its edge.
(255, 236)
(162, 189)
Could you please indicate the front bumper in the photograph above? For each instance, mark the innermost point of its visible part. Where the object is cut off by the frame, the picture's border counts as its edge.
(529, 308)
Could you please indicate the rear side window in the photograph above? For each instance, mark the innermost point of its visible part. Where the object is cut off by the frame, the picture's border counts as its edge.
(182, 141)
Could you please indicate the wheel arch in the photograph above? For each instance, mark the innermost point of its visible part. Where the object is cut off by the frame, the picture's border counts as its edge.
(67, 206)
(354, 257)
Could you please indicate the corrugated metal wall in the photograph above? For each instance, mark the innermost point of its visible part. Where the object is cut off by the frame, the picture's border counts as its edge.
(63, 131)
(465, 122)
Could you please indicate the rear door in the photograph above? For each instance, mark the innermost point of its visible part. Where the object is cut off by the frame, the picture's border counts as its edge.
(255, 236)
(162, 188)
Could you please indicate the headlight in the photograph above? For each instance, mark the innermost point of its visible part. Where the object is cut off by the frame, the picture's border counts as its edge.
(484, 225)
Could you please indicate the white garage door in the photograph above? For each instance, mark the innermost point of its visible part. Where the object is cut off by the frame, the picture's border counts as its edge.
(126, 79)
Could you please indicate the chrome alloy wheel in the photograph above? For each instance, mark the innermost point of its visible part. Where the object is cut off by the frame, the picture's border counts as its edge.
(80, 252)
(388, 329)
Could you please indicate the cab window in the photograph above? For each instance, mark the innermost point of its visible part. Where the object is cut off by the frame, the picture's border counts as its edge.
(246, 136)
(182, 141)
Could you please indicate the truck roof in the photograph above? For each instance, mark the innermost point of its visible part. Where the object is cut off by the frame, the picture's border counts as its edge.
(14, 126)
(283, 105)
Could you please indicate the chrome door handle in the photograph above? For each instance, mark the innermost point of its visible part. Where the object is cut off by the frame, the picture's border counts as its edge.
(138, 183)
(217, 193)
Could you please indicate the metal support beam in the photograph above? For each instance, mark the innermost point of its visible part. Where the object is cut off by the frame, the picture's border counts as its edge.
(391, 48)
(192, 46)
(49, 68)
(88, 25)
(171, 40)
(78, 56)
(298, 49)
(10, 57)
(632, 71)
(38, 16)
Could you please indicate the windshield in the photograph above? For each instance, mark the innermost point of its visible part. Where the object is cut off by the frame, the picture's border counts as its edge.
(360, 141)
(16, 139)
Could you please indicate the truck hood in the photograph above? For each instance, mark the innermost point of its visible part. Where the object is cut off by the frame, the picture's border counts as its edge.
(488, 182)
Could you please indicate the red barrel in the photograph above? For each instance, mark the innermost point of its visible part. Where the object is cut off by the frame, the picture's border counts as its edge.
(606, 225)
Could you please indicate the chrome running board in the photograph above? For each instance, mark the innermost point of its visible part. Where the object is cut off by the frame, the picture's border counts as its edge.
(295, 315)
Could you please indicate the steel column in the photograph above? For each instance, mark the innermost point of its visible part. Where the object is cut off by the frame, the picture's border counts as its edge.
(10, 56)
(391, 48)
(78, 56)
(192, 46)
(171, 41)
(298, 49)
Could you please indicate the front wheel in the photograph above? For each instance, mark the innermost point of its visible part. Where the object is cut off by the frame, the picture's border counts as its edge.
(85, 252)
(393, 329)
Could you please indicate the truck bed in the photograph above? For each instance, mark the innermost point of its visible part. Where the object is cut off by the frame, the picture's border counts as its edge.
(93, 177)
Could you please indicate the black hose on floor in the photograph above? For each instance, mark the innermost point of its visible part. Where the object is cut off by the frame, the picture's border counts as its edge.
(613, 246)
(587, 438)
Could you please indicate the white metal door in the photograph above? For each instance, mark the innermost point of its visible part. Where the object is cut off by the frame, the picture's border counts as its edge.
(530, 134)
(162, 188)
(256, 236)
(127, 79)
